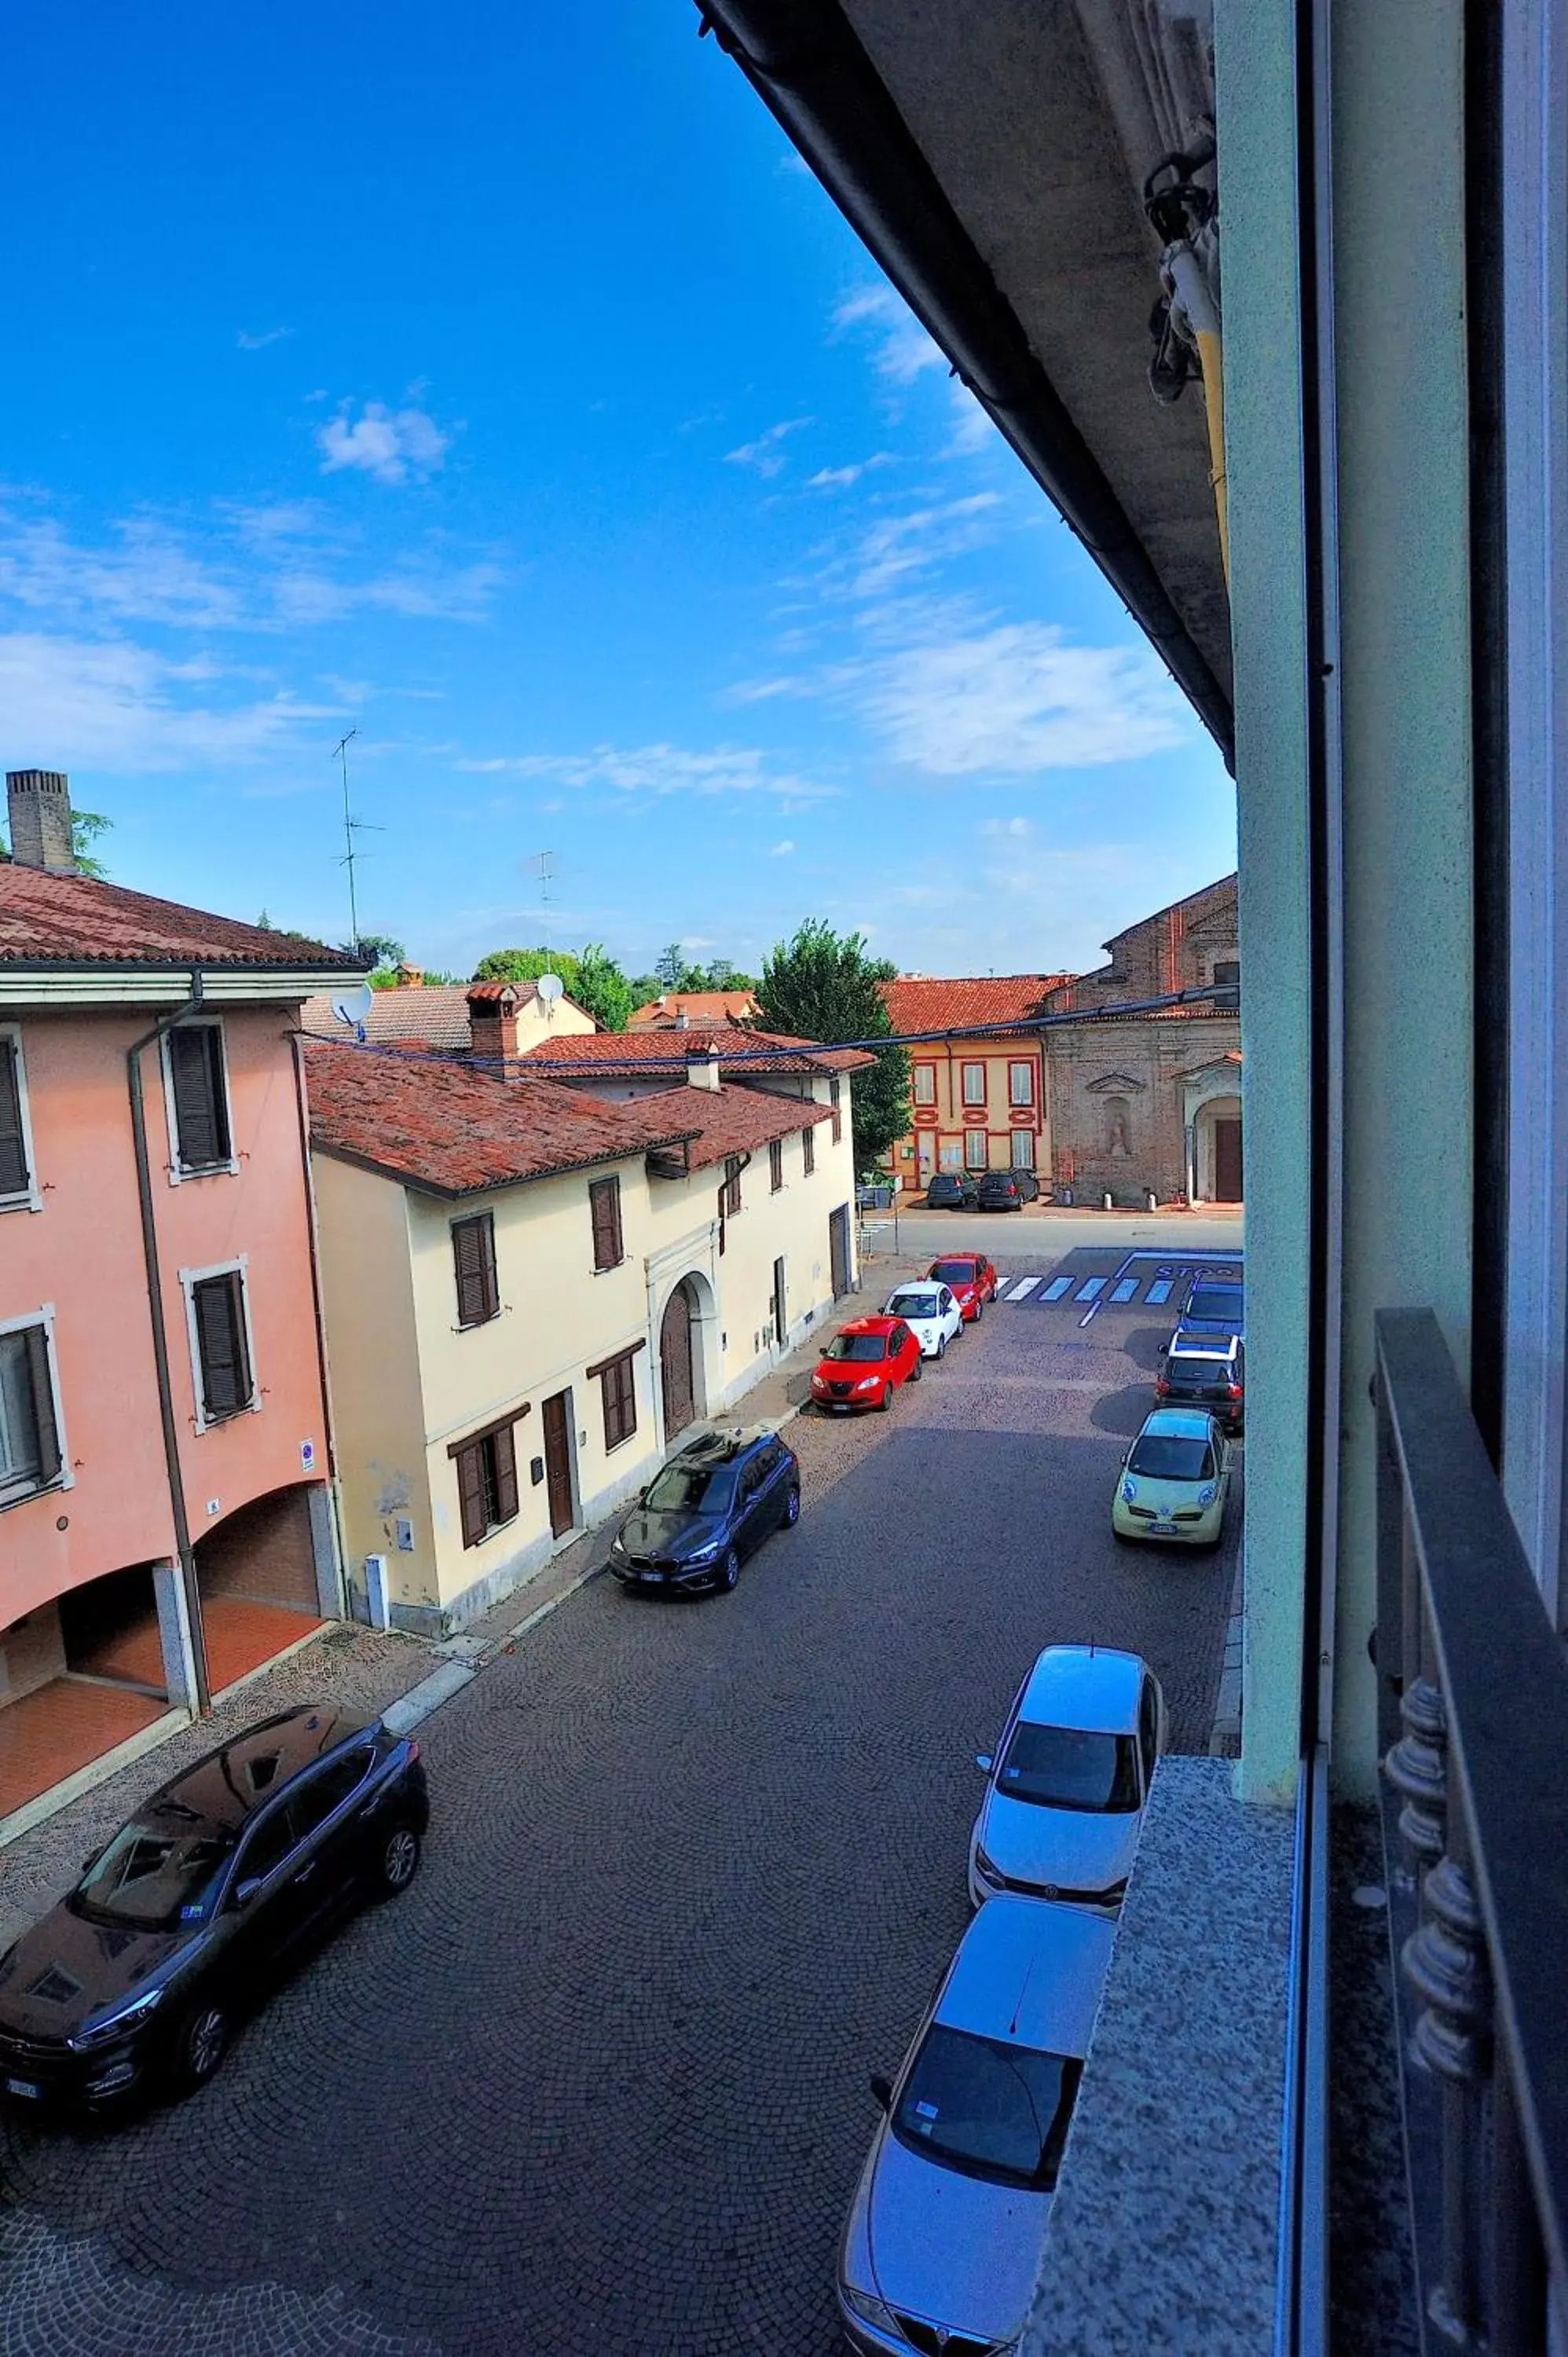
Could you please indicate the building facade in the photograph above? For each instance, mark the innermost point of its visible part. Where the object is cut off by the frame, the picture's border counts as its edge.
(978, 1103)
(164, 1456)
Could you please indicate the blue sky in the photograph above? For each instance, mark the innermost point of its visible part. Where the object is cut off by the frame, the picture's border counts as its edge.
(495, 382)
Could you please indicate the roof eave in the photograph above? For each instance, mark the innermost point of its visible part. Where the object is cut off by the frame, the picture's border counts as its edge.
(73, 982)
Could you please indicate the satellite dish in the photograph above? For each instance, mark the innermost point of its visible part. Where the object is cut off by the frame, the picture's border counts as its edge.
(352, 1003)
(550, 987)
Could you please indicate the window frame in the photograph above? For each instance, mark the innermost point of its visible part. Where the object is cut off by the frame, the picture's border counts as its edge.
(607, 1189)
(621, 1370)
(923, 1085)
(1025, 1065)
(1022, 1150)
(489, 1275)
(27, 1198)
(494, 1477)
(808, 1149)
(189, 1279)
(967, 1101)
(181, 1173)
(733, 1204)
(970, 1138)
(835, 1100)
(775, 1166)
(63, 1478)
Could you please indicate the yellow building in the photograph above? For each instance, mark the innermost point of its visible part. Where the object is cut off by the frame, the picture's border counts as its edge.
(975, 1104)
(528, 1292)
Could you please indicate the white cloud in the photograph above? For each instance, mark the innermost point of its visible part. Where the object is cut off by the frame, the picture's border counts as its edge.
(1008, 826)
(836, 479)
(662, 770)
(763, 691)
(111, 705)
(147, 573)
(904, 351)
(390, 445)
(971, 428)
(765, 454)
(1015, 699)
(782, 850)
(250, 343)
(900, 546)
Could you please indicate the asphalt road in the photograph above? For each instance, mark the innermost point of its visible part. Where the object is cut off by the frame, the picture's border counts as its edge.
(597, 2083)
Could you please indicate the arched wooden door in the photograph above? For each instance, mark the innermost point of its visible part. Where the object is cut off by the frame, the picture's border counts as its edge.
(675, 1362)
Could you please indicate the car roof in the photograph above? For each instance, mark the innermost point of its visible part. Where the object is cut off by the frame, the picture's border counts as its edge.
(1088, 1686)
(874, 1325)
(1178, 1423)
(952, 1259)
(1030, 1972)
(232, 1784)
(1193, 1343)
(1231, 1281)
(723, 1448)
(913, 1284)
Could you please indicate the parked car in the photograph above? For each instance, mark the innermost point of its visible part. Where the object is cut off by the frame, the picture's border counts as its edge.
(1204, 1370)
(1216, 1306)
(950, 1190)
(931, 1314)
(141, 1974)
(1066, 1783)
(971, 1279)
(942, 2245)
(864, 1364)
(705, 1511)
(1000, 1191)
(1174, 1480)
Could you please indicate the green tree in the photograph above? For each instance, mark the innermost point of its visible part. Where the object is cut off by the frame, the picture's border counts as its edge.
(527, 965)
(822, 986)
(86, 826)
(601, 988)
(377, 949)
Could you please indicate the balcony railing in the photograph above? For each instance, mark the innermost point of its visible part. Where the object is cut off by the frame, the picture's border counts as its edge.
(1473, 1726)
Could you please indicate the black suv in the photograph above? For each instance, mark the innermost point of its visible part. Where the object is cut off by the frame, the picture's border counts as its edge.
(1000, 1191)
(1204, 1370)
(950, 1190)
(141, 1972)
(705, 1511)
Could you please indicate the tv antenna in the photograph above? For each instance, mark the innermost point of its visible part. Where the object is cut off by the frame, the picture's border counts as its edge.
(549, 986)
(351, 827)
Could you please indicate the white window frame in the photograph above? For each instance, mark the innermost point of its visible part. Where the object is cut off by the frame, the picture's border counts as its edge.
(44, 1315)
(926, 1073)
(189, 1279)
(949, 1154)
(984, 1161)
(29, 1198)
(179, 1173)
(1024, 1139)
(964, 1071)
(1024, 1064)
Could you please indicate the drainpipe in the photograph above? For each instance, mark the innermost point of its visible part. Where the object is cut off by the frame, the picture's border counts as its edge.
(161, 1028)
(334, 1488)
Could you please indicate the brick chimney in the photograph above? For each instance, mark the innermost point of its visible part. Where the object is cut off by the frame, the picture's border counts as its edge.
(410, 977)
(38, 803)
(682, 1020)
(492, 1020)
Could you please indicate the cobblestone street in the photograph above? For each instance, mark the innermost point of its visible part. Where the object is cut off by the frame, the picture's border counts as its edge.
(597, 2083)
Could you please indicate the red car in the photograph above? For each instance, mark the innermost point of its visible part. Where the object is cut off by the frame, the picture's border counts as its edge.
(864, 1364)
(968, 1278)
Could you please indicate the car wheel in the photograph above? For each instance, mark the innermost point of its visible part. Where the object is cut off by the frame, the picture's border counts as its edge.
(397, 1860)
(917, 1370)
(885, 1400)
(941, 1346)
(791, 1509)
(200, 2043)
(979, 1311)
(729, 1572)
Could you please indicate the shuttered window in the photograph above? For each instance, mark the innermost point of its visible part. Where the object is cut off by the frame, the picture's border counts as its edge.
(202, 1139)
(775, 1165)
(223, 1358)
(925, 1084)
(808, 1151)
(29, 1445)
(15, 1178)
(1021, 1084)
(732, 1185)
(974, 1148)
(474, 1266)
(604, 1208)
(834, 1087)
(617, 1381)
(975, 1085)
(487, 1483)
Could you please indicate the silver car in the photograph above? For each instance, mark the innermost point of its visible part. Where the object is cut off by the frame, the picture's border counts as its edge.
(942, 2245)
(1066, 1785)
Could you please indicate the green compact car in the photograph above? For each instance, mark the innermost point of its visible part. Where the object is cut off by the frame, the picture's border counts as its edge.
(1174, 1480)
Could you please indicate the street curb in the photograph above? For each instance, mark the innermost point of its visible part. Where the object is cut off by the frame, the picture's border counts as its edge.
(1225, 1736)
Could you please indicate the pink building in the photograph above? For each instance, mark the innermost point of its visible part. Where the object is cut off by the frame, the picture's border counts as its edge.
(165, 1520)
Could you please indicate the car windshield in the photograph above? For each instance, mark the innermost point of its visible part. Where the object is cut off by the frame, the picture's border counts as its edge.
(692, 1490)
(857, 1346)
(159, 1872)
(1168, 1457)
(989, 2107)
(912, 1305)
(1068, 1768)
(954, 1272)
(1216, 1301)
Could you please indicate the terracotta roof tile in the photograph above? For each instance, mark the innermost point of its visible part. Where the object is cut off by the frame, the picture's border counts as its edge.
(698, 1006)
(670, 1052)
(738, 1121)
(921, 1007)
(49, 919)
(448, 1130)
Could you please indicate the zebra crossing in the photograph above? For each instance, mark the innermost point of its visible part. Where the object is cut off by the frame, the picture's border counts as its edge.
(1148, 1278)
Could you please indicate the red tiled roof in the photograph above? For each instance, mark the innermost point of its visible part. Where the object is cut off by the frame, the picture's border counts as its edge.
(49, 919)
(919, 1009)
(697, 1006)
(670, 1052)
(450, 1131)
(433, 1012)
(738, 1121)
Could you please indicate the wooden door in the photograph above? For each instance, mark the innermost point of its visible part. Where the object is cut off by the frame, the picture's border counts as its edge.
(675, 1362)
(558, 1461)
(838, 1250)
(1227, 1161)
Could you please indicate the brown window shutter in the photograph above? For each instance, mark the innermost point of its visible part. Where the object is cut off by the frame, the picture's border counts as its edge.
(490, 1289)
(219, 1306)
(603, 1207)
(838, 1111)
(619, 1384)
(14, 1176)
(775, 1165)
(506, 1473)
(474, 1264)
(471, 1492)
(809, 1150)
(43, 1403)
(200, 1115)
